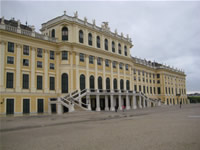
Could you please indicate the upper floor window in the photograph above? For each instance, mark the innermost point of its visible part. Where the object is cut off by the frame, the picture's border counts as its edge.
(11, 47)
(52, 55)
(89, 39)
(64, 33)
(39, 64)
(53, 33)
(10, 60)
(126, 66)
(106, 44)
(98, 42)
(39, 52)
(120, 66)
(119, 49)
(9, 80)
(107, 62)
(125, 51)
(91, 59)
(25, 62)
(26, 50)
(158, 75)
(114, 64)
(81, 36)
(64, 55)
(113, 46)
(52, 66)
(99, 60)
(81, 57)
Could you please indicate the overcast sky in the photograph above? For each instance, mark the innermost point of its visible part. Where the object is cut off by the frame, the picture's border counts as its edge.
(167, 32)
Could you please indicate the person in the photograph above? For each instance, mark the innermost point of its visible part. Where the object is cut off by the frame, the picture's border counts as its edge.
(180, 103)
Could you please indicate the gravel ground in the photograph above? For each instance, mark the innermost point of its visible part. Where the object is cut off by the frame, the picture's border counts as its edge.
(158, 128)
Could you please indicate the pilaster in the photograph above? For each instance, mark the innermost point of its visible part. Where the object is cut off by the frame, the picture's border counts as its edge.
(46, 89)
(97, 102)
(33, 88)
(18, 68)
(87, 72)
(2, 65)
(106, 103)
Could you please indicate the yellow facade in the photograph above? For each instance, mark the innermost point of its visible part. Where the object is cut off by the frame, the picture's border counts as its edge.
(153, 79)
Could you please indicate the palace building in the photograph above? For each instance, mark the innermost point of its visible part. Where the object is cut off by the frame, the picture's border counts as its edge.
(73, 64)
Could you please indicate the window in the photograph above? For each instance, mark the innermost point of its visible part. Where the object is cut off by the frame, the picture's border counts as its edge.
(158, 75)
(126, 66)
(134, 71)
(10, 60)
(125, 51)
(52, 66)
(52, 83)
(9, 80)
(100, 83)
(151, 90)
(106, 44)
(90, 39)
(99, 61)
(107, 83)
(114, 64)
(107, 62)
(81, 36)
(91, 59)
(140, 88)
(120, 66)
(81, 55)
(154, 90)
(64, 82)
(158, 90)
(135, 87)
(25, 62)
(25, 81)
(143, 73)
(98, 42)
(11, 47)
(138, 72)
(144, 91)
(53, 33)
(127, 85)
(134, 78)
(113, 46)
(39, 52)
(158, 82)
(26, 50)
(39, 64)
(121, 84)
(39, 82)
(91, 82)
(64, 33)
(82, 82)
(52, 55)
(64, 55)
(119, 49)
(115, 84)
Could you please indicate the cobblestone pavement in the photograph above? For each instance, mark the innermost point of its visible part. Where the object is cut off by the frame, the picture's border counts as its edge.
(159, 128)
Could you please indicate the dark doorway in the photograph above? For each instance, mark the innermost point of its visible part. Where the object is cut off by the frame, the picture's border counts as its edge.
(53, 108)
(40, 105)
(10, 106)
(124, 102)
(102, 103)
(93, 104)
(65, 109)
(26, 106)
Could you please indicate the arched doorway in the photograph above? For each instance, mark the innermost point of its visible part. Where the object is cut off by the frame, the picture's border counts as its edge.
(100, 83)
(108, 84)
(92, 82)
(64, 83)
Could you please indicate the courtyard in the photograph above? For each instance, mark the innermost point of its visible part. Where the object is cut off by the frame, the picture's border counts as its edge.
(158, 128)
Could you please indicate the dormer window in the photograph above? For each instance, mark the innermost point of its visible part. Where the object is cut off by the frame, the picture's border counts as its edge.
(64, 33)
(53, 33)
(113, 46)
(81, 36)
(106, 44)
(90, 39)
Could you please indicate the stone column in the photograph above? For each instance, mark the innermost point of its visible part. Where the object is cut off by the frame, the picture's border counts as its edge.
(77, 72)
(140, 102)
(120, 102)
(87, 72)
(111, 102)
(33, 83)
(104, 75)
(144, 102)
(58, 76)
(49, 106)
(96, 77)
(18, 68)
(2, 59)
(88, 102)
(59, 106)
(71, 71)
(98, 103)
(134, 102)
(46, 89)
(127, 103)
(106, 103)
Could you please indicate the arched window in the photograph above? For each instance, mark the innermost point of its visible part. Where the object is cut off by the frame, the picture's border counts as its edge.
(64, 83)
(125, 51)
(115, 84)
(127, 85)
(82, 82)
(89, 39)
(100, 83)
(119, 49)
(113, 46)
(108, 83)
(106, 44)
(81, 36)
(53, 33)
(91, 82)
(64, 33)
(121, 84)
(98, 42)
